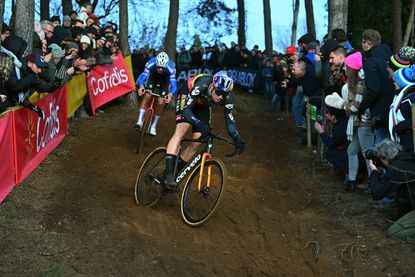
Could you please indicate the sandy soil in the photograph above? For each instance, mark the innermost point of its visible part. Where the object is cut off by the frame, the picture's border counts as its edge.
(283, 214)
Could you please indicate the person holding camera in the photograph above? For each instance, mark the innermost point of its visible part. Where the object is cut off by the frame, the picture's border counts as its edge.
(336, 140)
(393, 172)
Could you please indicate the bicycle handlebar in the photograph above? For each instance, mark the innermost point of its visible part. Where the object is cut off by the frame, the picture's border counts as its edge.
(218, 137)
(149, 91)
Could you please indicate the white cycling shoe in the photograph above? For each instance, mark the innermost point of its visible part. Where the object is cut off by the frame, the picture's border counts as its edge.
(153, 131)
(138, 125)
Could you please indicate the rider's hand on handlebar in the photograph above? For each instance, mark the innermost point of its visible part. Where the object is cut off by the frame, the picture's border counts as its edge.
(167, 98)
(140, 90)
(204, 128)
(239, 143)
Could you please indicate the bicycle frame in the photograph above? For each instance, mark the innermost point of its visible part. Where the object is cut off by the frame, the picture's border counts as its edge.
(150, 108)
(200, 158)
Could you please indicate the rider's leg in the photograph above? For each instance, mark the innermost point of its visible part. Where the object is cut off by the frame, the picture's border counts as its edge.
(172, 149)
(142, 109)
(157, 112)
(190, 150)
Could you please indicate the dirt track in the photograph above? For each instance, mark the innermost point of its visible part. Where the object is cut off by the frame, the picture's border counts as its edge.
(283, 214)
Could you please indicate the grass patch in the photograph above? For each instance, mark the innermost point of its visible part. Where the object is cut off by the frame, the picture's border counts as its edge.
(251, 104)
(58, 270)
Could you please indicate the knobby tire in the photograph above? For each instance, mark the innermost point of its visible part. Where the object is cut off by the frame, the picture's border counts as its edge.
(198, 207)
(147, 190)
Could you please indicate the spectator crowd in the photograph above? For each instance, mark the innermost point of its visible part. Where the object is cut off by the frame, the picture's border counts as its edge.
(61, 49)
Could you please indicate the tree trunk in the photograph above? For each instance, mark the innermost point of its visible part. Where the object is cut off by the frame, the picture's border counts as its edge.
(170, 41)
(410, 26)
(241, 22)
(125, 46)
(296, 9)
(267, 24)
(311, 27)
(1, 12)
(66, 7)
(24, 28)
(13, 16)
(338, 10)
(44, 9)
(397, 24)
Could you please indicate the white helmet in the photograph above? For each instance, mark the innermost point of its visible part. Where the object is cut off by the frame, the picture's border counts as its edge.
(162, 59)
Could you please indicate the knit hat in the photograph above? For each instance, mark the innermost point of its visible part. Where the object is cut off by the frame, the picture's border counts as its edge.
(312, 45)
(91, 30)
(306, 38)
(67, 18)
(354, 61)
(85, 39)
(291, 50)
(405, 76)
(407, 53)
(73, 45)
(56, 51)
(55, 18)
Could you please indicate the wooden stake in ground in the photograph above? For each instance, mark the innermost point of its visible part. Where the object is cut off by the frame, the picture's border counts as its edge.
(308, 114)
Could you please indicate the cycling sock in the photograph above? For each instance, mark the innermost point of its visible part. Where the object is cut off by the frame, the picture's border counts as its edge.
(170, 163)
(155, 121)
(141, 115)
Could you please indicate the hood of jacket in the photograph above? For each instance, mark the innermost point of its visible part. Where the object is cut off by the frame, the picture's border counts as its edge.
(381, 51)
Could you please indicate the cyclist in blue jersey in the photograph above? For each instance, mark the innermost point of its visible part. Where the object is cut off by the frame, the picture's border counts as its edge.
(160, 71)
(193, 109)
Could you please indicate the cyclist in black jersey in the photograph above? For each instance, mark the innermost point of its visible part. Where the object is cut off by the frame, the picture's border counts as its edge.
(193, 110)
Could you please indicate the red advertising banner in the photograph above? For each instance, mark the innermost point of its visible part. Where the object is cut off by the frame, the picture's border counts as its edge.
(7, 179)
(36, 137)
(110, 81)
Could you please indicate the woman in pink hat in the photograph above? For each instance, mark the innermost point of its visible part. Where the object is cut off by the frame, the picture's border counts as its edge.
(359, 130)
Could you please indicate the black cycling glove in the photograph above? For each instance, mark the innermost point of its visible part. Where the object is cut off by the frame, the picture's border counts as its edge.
(239, 143)
(204, 128)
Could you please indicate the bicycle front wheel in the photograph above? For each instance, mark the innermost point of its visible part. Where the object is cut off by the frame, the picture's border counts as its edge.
(197, 206)
(144, 130)
(148, 184)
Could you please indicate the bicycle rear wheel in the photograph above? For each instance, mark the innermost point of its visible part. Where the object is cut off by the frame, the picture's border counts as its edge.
(198, 206)
(148, 184)
(144, 129)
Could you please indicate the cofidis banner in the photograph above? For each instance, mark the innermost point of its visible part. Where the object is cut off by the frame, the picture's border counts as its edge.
(36, 137)
(7, 178)
(107, 82)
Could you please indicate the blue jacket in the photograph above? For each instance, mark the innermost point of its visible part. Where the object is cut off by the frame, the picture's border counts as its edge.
(151, 67)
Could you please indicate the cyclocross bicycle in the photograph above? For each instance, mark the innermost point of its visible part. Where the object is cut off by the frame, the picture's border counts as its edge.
(203, 189)
(148, 118)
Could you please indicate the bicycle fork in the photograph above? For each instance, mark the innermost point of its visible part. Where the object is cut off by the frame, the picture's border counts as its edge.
(150, 109)
(202, 168)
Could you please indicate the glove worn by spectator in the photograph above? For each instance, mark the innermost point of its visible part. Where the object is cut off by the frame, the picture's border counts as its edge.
(26, 103)
(204, 128)
(239, 143)
(334, 100)
(59, 75)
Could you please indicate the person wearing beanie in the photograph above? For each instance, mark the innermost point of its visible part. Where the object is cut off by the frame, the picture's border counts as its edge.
(303, 41)
(407, 53)
(359, 130)
(56, 51)
(56, 20)
(67, 21)
(77, 33)
(404, 77)
(400, 115)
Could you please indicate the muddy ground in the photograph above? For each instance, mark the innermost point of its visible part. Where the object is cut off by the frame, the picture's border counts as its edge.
(284, 213)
